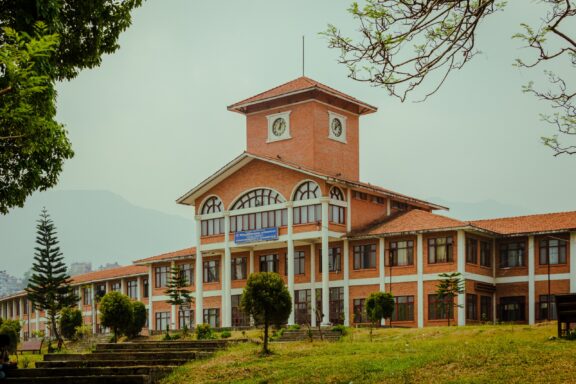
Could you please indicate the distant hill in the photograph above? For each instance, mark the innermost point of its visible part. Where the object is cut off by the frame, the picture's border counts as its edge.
(486, 209)
(96, 226)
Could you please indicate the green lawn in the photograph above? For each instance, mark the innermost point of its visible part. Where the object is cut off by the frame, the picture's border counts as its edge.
(472, 354)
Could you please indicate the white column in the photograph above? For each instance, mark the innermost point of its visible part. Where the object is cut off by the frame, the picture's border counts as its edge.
(13, 308)
(420, 272)
(150, 301)
(325, 265)
(388, 207)
(139, 288)
(382, 277)
(349, 210)
(573, 262)
(461, 266)
(290, 259)
(313, 284)
(172, 307)
(531, 282)
(251, 261)
(494, 308)
(2, 315)
(346, 267)
(21, 304)
(227, 281)
(93, 309)
(199, 275)
(123, 286)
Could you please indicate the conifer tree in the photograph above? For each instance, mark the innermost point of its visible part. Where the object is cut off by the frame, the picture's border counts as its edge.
(49, 286)
(176, 290)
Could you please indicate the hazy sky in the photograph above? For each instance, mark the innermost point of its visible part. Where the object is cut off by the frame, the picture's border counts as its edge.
(151, 122)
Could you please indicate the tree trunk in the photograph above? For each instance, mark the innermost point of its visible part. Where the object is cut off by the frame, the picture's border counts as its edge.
(266, 324)
(55, 329)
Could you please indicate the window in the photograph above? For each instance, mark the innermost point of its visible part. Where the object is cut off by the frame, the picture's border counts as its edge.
(269, 263)
(302, 306)
(87, 295)
(212, 227)
(336, 305)
(485, 254)
(116, 286)
(239, 318)
(258, 198)
(212, 317)
(334, 259)
(100, 290)
(185, 317)
(211, 271)
(486, 308)
(336, 214)
(299, 263)
(187, 272)
(212, 205)
(365, 256)
(259, 220)
(547, 308)
(336, 194)
(471, 307)
(513, 308)
(440, 250)
(471, 251)
(132, 289)
(402, 252)
(145, 287)
(17, 302)
(360, 195)
(239, 268)
(377, 200)
(25, 304)
(307, 214)
(553, 251)
(403, 308)
(162, 320)
(512, 254)
(440, 308)
(307, 191)
(161, 276)
(360, 315)
(399, 206)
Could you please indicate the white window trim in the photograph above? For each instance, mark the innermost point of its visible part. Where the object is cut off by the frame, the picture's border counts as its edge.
(271, 118)
(343, 119)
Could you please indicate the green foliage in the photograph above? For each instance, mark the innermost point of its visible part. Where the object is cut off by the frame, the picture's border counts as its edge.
(12, 331)
(342, 329)
(450, 286)
(204, 332)
(294, 327)
(138, 319)
(267, 299)
(70, 319)
(49, 286)
(379, 305)
(178, 293)
(116, 312)
(225, 334)
(83, 331)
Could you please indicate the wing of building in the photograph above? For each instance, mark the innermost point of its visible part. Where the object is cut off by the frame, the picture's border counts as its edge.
(293, 203)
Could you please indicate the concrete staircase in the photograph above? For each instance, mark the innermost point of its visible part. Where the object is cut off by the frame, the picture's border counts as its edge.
(302, 335)
(144, 362)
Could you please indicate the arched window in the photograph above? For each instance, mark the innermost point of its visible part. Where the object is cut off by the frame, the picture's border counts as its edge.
(336, 194)
(307, 191)
(212, 205)
(258, 198)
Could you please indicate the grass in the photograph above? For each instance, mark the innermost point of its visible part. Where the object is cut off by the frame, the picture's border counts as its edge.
(472, 354)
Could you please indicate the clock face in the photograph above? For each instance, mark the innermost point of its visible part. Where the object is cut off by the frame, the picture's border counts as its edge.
(279, 127)
(336, 127)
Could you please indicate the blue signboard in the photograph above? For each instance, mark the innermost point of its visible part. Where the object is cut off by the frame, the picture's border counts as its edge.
(265, 234)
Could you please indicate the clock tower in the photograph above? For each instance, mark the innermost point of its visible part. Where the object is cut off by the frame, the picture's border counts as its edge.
(307, 124)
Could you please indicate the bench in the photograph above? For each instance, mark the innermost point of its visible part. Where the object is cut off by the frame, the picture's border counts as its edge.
(30, 346)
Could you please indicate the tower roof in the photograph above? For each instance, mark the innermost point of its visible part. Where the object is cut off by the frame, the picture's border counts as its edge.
(298, 90)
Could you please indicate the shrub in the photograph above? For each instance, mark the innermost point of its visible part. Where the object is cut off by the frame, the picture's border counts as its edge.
(70, 319)
(82, 331)
(138, 319)
(204, 332)
(340, 328)
(116, 313)
(9, 337)
(294, 327)
(225, 334)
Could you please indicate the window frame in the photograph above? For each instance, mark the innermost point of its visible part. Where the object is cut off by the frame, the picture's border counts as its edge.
(161, 276)
(242, 262)
(394, 252)
(505, 248)
(211, 271)
(472, 250)
(364, 252)
(544, 247)
(448, 245)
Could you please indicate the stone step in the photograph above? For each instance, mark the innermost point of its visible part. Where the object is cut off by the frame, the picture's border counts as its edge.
(158, 346)
(132, 356)
(128, 379)
(109, 363)
(91, 371)
(153, 350)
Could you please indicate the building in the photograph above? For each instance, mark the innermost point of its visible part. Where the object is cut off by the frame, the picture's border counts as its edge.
(294, 204)
(9, 284)
(80, 268)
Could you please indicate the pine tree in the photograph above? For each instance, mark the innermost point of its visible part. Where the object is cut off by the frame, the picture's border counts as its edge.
(49, 286)
(176, 290)
(447, 289)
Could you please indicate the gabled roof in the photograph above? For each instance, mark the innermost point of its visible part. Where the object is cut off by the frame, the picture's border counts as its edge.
(170, 256)
(108, 274)
(542, 223)
(297, 86)
(245, 158)
(412, 221)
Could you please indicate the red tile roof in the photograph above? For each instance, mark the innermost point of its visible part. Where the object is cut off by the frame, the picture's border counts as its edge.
(300, 84)
(108, 274)
(182, 253)
(547, 222)
(414, 220)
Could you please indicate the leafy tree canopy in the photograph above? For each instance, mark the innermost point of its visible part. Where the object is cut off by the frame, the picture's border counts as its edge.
(407, 45)
(116, 312)
(138, 319)
(70, 318)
